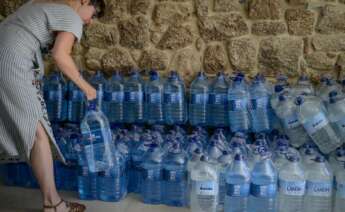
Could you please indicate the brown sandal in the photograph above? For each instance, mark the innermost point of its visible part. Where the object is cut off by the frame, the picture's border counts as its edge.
(72, 206)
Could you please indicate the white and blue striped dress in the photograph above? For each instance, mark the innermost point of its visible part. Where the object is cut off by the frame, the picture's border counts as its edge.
(22, 36)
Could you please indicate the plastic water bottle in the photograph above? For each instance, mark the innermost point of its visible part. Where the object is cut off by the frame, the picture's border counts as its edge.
(238, 102)
(113, 99)
(174, 104)
(217, 102)
(99, 82)
(336, 113)
(112, 186)
(303, 87)
(286, 110)
(175, 177)
(308, 157)
(292, 186)
(97, 139)
(134, 99)
(237, 186)
(193, 160)
(319, 187)
(280, 156)
(152, 176)
(224, 162)
(154, 99)
(199, 93)
(258, 106)
(76, 103)
(340, 191)
(53, 95)
(327, 85)
(205, 185)
(263, 187)
(317, 125)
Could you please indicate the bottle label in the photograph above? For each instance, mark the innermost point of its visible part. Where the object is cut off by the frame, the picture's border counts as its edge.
(206, 188)
(316, 123)
(291, 121)
(239, 190)
(152, 174)
(292, 188)
(154, 98)
(218, 99)
(319, 189)
(199, 98)
(259, 103)
(133, 96)
(175, 175)
(239, 104)
(341, 189)
(76, 94)
(173, 98)
(263, 190)
(113, 96)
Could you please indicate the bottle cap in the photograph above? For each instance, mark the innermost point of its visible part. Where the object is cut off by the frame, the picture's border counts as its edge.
(320, 159)
(299, 100)
(238, 157)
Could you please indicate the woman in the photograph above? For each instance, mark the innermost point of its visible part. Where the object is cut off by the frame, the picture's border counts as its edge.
(25, 132)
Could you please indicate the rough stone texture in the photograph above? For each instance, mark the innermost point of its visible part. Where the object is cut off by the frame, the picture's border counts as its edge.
(78, 49)
(298, 2)
(215, 59)
(226, 5)
(222, 27)
(118, 59)
(101, 35)
(332, 20)
(300, 21)
(320, 61)
(154, 59)
(280, 54)
(201, 7)
(94, 58)
(176, 37)
(329, 43)
(341, 61)
(199, 44)
(140, 7)
(342, 1)
(134, 32)
(171, 13)
(264, 9)
(7, 7)
(115, 10)
(242, 54)
(268, 28)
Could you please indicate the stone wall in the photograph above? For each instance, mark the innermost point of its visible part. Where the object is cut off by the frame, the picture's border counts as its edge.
(267, 36)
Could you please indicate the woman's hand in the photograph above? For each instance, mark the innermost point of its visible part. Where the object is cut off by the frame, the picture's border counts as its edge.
(90, 92)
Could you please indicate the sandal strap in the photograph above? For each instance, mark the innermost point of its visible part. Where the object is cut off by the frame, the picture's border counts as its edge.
(53, 206)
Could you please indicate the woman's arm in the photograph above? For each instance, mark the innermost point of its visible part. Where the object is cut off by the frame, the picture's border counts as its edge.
(62, 55)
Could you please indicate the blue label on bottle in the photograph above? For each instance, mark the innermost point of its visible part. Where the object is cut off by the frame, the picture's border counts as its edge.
(76, 95)
(341, 190)
(175, 175)
(319, 189)
(206, 188)
(292, 188)
(269, 190)
(114, 96)
(259, 103)
(199, 98)
(54, 95)
(133, 96)
(291, 121)
(316, 123)
(237, 190)
(152, 174)
(239, 104)
(154, 98)
(218, 99)
(173, 98)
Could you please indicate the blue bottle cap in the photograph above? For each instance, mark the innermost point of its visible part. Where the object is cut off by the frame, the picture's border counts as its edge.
(92, 105)
(278, 88)
(333, 94)
(197, 151)
(282, 98)
(203, 158)
(154, 75)
(299, 100)
(293, 158)
(238, 157)
(225, 153)
(320, 159)
(220, 74)
(343, 82)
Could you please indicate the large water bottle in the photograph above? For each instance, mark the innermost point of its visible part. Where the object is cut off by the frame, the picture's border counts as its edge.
(319, 187)
(340, 191)
(286, 110)
(263, 188)
(336, 113)
(198, 100)
(317, 125)
(99, 82)
(292, 186)
(308, 157)
(237, 186)
(258, 106)
(327, 85)
(205, 185)
(97, 139)
(303, 87)
(54, 95)
(134, 99)
(152, 176)
(174, 104)
(224, 162)
(113, 99)
(193, 160)
(217, 102)
(154, 99)
(238, 102)
(175, 177)
(76, 103)
(280, 154)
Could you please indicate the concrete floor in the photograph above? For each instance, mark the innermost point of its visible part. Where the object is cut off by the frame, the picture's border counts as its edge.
(13, 199)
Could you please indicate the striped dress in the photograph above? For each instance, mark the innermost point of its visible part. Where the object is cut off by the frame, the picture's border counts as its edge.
(22, 36)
